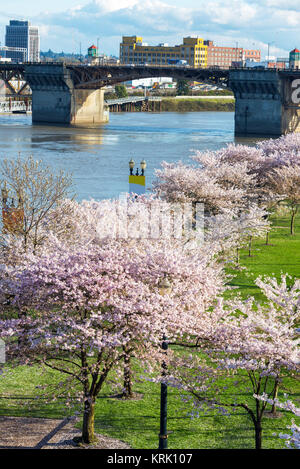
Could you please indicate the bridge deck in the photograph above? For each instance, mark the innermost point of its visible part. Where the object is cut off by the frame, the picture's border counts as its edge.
(87, 76)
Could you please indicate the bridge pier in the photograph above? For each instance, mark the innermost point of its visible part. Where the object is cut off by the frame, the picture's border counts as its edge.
(88, 107)
(264, 103)
(55, 100)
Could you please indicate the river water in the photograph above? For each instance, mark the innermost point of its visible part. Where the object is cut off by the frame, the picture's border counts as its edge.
(98, 156)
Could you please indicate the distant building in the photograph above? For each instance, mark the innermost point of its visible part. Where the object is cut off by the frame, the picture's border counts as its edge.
(192, 51)
(108, 60)
(20, 34)
(93, 56)
(148, 82)
(282, 62)
(13, 54)
(295, 58)
(92, 51)
(225, 57)
(279, 64)
(252, 54)
(253, 64)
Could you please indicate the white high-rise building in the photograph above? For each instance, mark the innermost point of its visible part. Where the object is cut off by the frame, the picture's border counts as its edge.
(20, 34)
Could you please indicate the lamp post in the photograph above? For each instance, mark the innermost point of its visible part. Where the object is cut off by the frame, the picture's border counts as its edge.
(164, 289)
(143, 165)
(269, 44)
(137, 181)
(131, 166)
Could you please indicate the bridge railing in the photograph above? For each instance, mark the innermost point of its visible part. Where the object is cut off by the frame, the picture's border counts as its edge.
(11, 106)
(133, 99)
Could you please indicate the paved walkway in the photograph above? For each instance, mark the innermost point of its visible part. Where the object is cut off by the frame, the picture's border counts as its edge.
(38, 433)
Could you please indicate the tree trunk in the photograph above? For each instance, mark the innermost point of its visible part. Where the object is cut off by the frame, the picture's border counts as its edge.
(273, 410)
(250, 247)
(267, 238)
(88, 435)
(23, 339)
(293, 223)
(127, 393)
(258, 434)
(237, 256)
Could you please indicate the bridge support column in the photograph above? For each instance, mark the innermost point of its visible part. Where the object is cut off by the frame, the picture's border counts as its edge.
(56, 101)
(265, 102)
(259, 117)
(88, 107)
(258, 107)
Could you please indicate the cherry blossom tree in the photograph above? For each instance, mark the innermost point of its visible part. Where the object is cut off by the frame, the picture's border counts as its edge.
(91, 299)
(285, 182)
(245, 343)
(289, 144)
(215, 188)
(230, 177)
(232, 230)
(293, 438)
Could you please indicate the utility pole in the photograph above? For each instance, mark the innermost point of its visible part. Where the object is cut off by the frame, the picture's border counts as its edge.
(269, 44)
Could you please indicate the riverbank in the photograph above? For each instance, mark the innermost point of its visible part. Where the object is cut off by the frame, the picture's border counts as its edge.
(197, 104)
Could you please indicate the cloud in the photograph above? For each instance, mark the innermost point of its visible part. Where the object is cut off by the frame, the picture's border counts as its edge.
(226, 22)
(114, 5)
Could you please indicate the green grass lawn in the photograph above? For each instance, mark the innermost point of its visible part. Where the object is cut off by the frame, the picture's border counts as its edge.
(137, 421)
(282, 256)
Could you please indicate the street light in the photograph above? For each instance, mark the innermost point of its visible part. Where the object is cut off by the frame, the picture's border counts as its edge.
(165, 288)
(98, 60)
(143, 166)
(131, 166)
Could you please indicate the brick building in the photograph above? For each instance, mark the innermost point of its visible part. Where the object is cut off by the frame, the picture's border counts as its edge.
(224, 56)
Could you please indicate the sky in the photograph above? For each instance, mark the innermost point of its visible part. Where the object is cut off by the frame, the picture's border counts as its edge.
(67, 24)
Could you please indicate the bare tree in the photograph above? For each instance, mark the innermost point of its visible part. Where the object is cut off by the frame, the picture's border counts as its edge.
(285, 182)
(36, 190)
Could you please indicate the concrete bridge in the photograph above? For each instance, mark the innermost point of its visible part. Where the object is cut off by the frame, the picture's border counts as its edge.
(267, 100)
